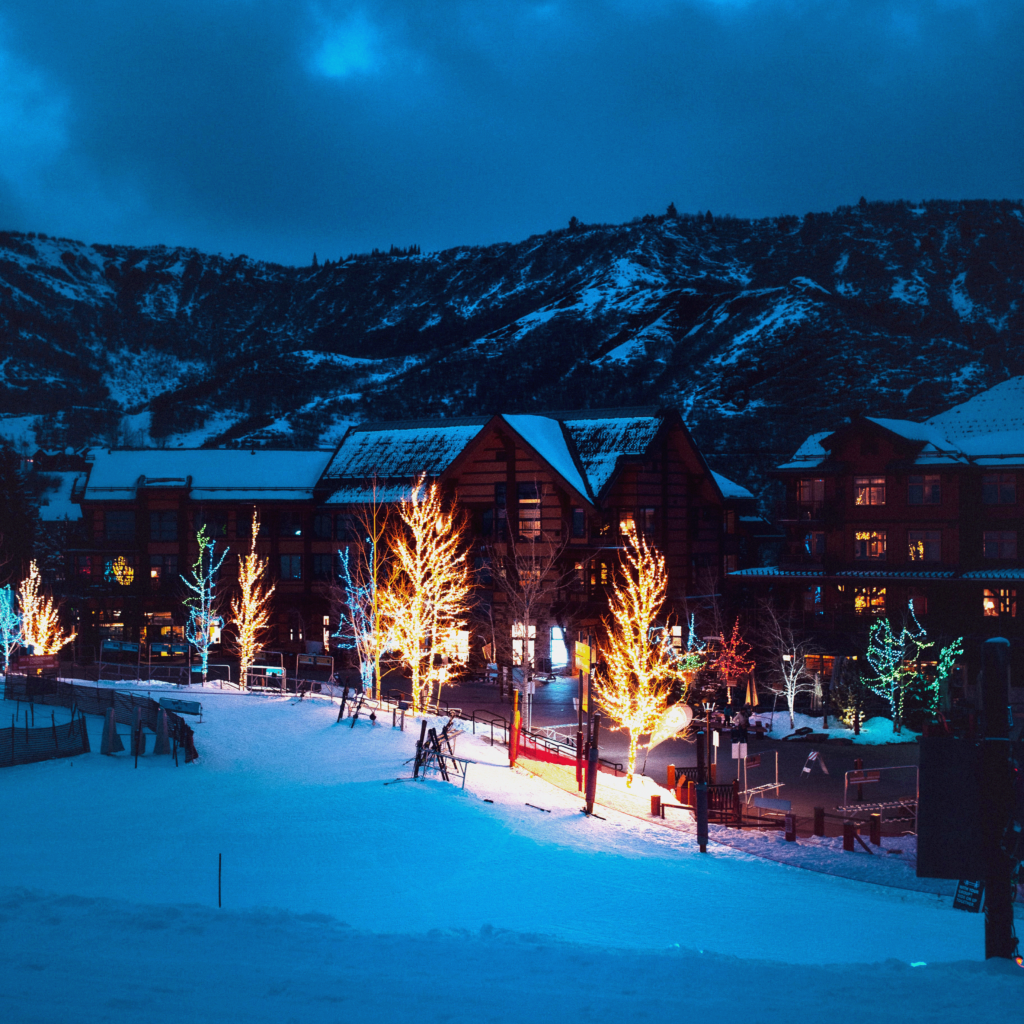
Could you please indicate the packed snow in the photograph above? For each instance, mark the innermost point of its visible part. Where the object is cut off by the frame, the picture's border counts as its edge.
(347, 892)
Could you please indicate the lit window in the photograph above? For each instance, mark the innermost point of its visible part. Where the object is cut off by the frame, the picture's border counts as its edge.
(119, 570)
(999, 489)
(163, 568)
(924, 490)
(869, 490)
(529, 511)
(813, 603)
(521, 637)
(869, 600)
(291, 567)
(625, 522)
(1000, 543)
(811, 491)
(869, 545)
(924, 545)
(999, 603)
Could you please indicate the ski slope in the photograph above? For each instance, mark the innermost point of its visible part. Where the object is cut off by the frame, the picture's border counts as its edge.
(418, 900)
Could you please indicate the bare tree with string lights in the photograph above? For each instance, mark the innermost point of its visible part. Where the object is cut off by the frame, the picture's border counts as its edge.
(639, 659)
(202, 601)
(250, 610)
(426, 598)
(40, 617)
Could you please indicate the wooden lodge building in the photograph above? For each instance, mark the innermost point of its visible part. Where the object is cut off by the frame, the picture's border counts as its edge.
(563, 484)
(882, 512)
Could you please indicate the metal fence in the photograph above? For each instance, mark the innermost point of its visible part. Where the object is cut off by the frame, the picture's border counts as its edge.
(22, 745)
(95, 700)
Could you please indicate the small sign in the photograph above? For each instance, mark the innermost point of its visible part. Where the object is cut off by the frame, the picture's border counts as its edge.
(582, 652)
(968, 896)
(715, 734)
(790, 822)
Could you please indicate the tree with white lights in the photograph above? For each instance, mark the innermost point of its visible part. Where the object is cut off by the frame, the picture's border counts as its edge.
(250, 610)
(425, 600)
(40, 618)
(640, 665)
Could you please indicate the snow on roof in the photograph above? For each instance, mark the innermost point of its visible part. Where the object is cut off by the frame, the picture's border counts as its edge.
(544, 435)
(999, 409)
(402, 451)
(913, 431)
(1001, 448)
(602, 439)
(810, 453)
(729, 488)
(56, 504)
(215, 473)
(358, 495)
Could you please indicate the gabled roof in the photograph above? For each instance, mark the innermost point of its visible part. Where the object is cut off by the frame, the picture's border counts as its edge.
(605, 436)
(546, 437)
(210, 473)
(810, 453)
(400, 451)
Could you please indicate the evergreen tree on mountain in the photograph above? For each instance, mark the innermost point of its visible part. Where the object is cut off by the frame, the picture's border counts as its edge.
(672, 213)
(17, 518)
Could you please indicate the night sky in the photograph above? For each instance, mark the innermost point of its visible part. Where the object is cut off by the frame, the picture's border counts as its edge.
(279, 127)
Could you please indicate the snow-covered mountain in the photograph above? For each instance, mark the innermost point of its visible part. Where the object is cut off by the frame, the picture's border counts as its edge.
(760, 331)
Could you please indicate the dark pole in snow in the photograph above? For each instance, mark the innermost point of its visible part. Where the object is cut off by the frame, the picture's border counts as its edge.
(592, 764)
(702, 796)
(579, 737)
(996, 798)
(220, 858)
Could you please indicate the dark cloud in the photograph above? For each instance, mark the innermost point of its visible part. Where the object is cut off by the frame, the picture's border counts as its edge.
(276, 128)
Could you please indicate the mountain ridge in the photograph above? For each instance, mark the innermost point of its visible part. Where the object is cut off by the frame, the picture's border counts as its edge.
(760, 331)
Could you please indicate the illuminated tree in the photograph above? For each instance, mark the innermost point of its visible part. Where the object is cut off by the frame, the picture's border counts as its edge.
(40, 619)
(363, 624)
(11, 637)
(426, 597)
(202, 602)
(251, 608)
(639, 663)
(895, 658)
(787, 658)
(730, 660)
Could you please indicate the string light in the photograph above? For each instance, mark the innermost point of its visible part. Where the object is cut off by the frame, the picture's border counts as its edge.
(426, 597)
(251, 608)
(201, 602)
(639, 663)
(732, 662)
(40, 619)
(11, 637)
(895, 658)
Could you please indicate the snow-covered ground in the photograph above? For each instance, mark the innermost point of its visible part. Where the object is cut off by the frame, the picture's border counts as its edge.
(873, 731)
(347, 893)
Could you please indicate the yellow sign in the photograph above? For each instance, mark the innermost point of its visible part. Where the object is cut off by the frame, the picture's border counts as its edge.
(582, 657)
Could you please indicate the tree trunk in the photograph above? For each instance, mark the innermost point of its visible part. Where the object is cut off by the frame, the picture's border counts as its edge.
(632, 757)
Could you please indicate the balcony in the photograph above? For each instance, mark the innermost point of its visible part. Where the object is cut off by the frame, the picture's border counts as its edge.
(799, 512)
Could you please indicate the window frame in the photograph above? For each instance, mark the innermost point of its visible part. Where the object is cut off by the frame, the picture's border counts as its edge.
(869, 487)
(870, 538)
(928, 537)
(930, 493)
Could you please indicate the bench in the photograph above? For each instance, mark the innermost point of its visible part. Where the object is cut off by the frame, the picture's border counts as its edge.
(182, 707)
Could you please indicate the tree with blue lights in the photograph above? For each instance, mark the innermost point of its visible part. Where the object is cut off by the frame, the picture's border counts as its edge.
(202, 601)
